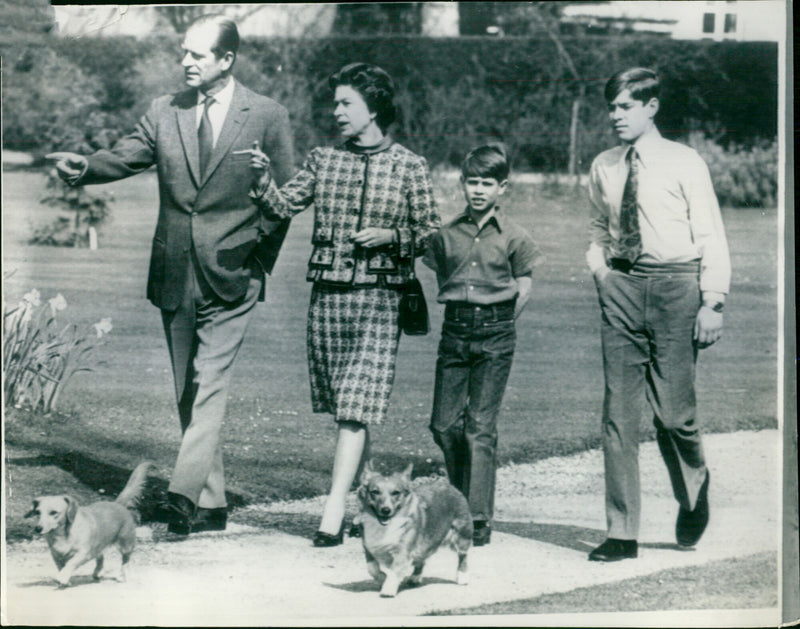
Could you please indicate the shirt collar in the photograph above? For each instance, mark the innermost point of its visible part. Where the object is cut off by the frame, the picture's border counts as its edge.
(494, 216)
(223, 97)
(646, 145)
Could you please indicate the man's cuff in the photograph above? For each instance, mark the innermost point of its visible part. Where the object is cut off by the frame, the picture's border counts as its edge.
(75, 179)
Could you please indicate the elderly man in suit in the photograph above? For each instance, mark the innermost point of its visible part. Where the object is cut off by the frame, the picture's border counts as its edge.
(212, 246)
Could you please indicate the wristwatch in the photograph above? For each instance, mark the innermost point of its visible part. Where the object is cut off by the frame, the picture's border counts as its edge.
(716, 306)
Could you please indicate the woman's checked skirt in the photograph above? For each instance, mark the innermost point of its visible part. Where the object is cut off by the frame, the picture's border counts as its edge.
(352, 348)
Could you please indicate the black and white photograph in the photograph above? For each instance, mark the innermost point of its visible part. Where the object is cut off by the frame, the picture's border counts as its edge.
(398, 314)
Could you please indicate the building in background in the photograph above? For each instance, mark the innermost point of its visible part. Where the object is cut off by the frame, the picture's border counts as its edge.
(718, 20)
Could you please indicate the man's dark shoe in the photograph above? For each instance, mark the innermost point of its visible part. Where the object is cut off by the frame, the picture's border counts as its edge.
(482, 533)
(209, 520)
(180, 512)
(691, 524)
(615, 550)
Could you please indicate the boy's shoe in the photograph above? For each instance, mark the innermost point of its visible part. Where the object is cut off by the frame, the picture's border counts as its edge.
(482, 532)
(615, 550)
(691, 524)
(209, 520)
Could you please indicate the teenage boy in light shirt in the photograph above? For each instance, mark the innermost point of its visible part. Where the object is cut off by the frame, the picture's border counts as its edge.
(662, 271)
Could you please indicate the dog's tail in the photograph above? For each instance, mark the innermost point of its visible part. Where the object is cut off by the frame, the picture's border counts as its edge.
(132, 492)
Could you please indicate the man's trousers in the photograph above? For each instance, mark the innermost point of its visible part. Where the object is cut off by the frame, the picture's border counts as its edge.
(204, 336)
(648, 317)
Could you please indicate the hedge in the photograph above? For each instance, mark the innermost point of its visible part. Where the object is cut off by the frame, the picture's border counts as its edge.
(454, 93)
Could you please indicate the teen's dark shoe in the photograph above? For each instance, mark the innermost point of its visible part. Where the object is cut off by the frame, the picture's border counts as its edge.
(615, 550)
(325, 540)
(482, 533)
(691, 524)
(180, 511)
(209, 520)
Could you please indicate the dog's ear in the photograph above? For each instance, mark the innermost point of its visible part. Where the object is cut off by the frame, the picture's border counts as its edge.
(72, 508)
(34, 509)
(407, 472)
(366, 472)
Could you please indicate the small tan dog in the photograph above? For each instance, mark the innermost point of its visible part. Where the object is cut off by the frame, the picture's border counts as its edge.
(403, 525)
(78, 534)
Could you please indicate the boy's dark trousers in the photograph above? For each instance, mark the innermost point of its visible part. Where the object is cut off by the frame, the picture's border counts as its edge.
(475, 355)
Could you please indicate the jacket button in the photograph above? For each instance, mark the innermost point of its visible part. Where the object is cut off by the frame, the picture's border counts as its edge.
(348, 264)
(194, 213)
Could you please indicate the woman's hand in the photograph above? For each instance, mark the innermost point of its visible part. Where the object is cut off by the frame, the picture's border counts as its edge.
(374, 237)
(259, 165)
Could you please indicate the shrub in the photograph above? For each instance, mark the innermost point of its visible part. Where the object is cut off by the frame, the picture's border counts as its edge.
(742, 176)
(89, 211)
(455, 92)
(49, 104)
(38, 358)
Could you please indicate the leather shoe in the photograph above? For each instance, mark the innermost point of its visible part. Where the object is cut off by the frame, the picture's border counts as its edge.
(324, 540)
(209, 520)
(180, 511)
(482, 533)
(615, 549)
(691, 524)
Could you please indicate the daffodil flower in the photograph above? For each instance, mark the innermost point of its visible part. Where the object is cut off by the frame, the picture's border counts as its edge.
(103, 327)
(57, 303)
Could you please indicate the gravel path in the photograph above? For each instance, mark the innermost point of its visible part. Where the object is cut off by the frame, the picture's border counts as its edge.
(548, 516)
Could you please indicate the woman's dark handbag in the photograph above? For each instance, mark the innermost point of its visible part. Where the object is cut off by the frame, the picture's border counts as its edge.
(413, 316)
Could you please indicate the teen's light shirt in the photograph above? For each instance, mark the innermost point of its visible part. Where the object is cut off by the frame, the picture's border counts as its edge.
(679, 216)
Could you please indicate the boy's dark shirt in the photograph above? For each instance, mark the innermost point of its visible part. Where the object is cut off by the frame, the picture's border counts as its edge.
(480, 266)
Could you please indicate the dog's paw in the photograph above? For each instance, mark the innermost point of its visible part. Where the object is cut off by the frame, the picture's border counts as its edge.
(462, 578)
(390, 586)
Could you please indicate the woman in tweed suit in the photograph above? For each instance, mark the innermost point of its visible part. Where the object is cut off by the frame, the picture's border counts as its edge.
(372, 199)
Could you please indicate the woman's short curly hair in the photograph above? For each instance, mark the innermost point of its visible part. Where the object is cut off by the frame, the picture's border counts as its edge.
(375, 86)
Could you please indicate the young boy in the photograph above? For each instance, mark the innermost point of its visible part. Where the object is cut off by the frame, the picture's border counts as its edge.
(483, 263)
(660, 261)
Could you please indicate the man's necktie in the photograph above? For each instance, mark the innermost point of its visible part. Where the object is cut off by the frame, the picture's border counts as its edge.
(630, 239)
(205, 136)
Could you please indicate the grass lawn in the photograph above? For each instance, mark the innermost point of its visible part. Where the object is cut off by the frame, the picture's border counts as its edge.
(275, 447)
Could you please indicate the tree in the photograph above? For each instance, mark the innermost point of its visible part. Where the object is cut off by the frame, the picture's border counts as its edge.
(181, 16)
(378, 18)
(25, 23)
(525, 18)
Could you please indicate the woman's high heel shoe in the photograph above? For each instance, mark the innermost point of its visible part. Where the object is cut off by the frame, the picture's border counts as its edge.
(324, 540)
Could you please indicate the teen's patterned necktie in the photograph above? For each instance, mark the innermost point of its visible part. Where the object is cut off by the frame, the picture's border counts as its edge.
(630, 239)
(205, 136)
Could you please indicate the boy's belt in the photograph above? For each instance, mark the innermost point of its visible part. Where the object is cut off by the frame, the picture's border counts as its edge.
(651, 268)
(462, 310)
